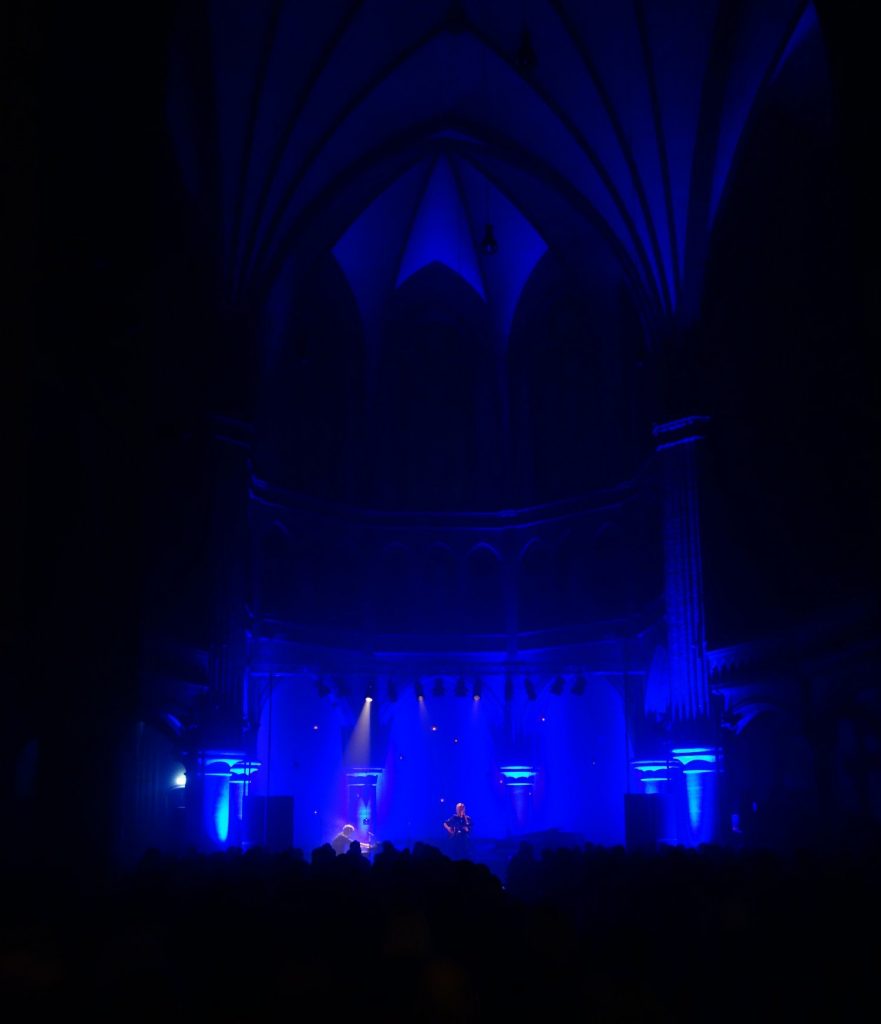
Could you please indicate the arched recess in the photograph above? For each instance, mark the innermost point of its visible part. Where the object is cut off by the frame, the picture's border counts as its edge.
(563, 574)
(304, 582)
(436, 401)
(538, 604)
(440, 606)
(574, 559)
(311, 418)
(275, 584)
(484, 591)
(394, 591)
(771, 766)
(572, 365)
(339, 586)
(612, 586)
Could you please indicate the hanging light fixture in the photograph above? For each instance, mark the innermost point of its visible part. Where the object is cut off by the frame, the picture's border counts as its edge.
(457, 18)
(525, 58)
(489, 244)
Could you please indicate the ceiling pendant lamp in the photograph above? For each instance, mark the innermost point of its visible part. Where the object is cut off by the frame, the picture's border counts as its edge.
(525, 58)
(488, 243)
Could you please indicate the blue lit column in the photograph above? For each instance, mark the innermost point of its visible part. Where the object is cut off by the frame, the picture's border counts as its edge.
(697, 799)
(691, 800)
(653, 776)
(208, 798)
(519, 780)
(683, 567)
(657, 779)
(240, 775)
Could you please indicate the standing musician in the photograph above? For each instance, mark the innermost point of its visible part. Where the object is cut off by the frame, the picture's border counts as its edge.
(458, 827)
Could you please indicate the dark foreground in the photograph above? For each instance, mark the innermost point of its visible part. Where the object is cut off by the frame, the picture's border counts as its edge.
(589, 933)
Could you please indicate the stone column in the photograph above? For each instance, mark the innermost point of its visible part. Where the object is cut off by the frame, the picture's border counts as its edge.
(677, 448)
(239, 785)
(208, 798)
(697, 799)
(519, 781)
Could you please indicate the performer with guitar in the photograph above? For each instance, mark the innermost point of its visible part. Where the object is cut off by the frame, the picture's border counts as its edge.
(458, 827)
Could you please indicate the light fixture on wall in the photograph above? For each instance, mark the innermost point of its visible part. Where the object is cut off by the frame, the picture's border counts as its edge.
(579, 684)
(461, 688)
(558, 685)
(439, 689)
(529, 686)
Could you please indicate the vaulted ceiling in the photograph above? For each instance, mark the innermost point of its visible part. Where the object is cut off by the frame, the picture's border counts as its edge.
(393, 132)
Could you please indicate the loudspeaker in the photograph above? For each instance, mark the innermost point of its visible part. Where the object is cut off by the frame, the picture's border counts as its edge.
(269, 821)
(642, 821)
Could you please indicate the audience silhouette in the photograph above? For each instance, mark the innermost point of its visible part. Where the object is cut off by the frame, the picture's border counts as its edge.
(684, 933)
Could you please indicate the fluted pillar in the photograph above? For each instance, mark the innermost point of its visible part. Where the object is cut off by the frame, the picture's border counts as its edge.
(677, 446)
(208, 798)
(519, 782)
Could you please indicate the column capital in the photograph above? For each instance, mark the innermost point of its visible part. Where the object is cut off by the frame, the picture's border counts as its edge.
(518, 775)
(213, 761)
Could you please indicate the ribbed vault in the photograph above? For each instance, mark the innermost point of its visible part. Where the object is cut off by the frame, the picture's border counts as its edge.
(631, 115)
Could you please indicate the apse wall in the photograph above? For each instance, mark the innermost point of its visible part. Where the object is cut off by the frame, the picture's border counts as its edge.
(522, 766)
(428, 407)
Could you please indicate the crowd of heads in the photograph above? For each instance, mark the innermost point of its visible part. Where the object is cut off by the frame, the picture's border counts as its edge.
(409, 932)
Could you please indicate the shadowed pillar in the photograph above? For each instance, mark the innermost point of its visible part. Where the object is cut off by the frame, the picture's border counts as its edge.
(677, 444)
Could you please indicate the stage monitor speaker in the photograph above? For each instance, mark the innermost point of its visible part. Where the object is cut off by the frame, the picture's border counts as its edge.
(270, 822)
(642, 821)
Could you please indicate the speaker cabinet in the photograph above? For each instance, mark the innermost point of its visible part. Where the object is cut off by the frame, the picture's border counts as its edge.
(642, 821)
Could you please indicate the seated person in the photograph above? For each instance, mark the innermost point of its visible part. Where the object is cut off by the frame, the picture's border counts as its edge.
(344, 839)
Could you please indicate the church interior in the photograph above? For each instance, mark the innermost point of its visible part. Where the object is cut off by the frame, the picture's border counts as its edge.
(418, 403)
